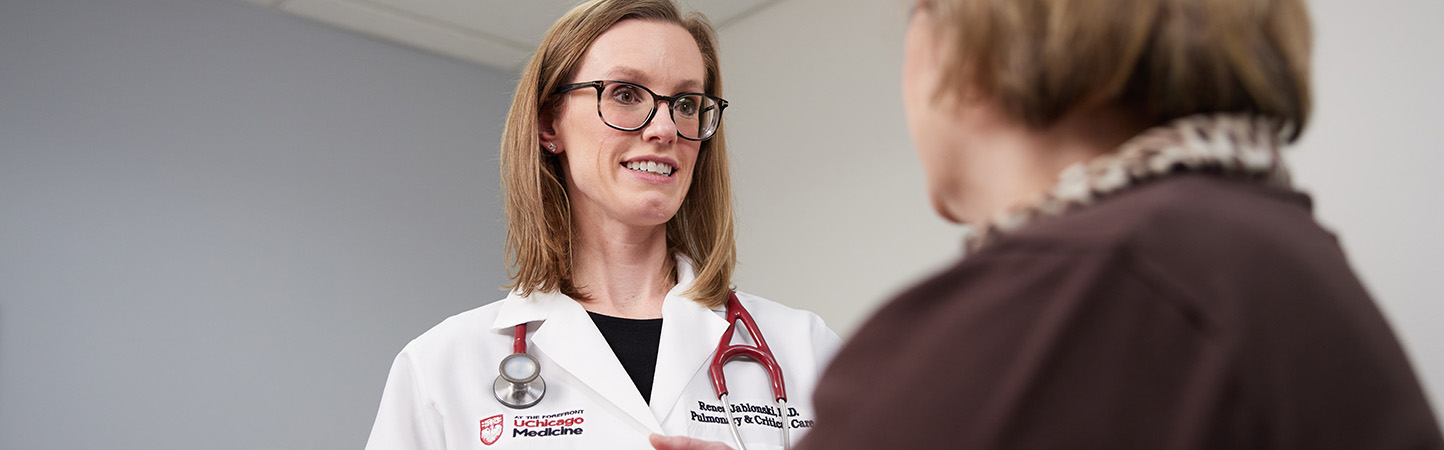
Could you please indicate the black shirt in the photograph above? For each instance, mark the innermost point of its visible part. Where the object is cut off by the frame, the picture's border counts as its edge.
(634, 341)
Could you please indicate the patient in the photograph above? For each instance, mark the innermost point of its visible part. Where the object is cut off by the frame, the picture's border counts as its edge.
(1143, 275)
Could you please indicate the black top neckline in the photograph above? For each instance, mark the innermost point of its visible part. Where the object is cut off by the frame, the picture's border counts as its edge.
(634, 342)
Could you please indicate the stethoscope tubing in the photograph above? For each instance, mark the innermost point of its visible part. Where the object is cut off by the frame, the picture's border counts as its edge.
(761, 353)
(518, 342)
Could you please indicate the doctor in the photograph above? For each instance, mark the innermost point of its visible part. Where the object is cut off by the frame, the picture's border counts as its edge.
(620, 237)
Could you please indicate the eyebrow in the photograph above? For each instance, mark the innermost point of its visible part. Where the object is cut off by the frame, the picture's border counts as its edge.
(625, 73)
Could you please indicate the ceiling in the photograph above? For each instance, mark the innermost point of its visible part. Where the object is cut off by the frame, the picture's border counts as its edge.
(497, 33)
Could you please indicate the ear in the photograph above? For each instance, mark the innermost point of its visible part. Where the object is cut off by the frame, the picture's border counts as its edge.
(546, 129)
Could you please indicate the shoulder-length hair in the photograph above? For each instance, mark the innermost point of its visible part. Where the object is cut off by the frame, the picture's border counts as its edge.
(1162, 59)
(539, 230)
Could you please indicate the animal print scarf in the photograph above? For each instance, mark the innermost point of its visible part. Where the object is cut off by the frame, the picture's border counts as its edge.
(1230, 145)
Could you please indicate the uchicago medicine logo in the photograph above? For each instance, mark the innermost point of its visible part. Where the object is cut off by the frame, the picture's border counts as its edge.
(491, 429)
(567, 423)
(560, 424)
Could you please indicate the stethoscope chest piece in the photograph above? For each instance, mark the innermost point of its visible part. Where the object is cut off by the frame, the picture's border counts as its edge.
(520, 384)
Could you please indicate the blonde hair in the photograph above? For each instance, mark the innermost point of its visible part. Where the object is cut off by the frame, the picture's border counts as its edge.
(1160, 59)
(539, 231)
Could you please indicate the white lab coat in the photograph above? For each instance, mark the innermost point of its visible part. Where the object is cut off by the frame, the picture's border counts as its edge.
(439, 392)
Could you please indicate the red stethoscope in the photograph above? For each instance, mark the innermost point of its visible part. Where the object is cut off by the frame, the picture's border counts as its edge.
(520, 384)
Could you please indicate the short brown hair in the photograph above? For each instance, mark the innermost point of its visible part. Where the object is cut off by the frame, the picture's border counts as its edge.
(1161, 59)
(539, 229)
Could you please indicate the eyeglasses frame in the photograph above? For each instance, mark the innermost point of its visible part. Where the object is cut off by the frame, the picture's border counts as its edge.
(601, 85)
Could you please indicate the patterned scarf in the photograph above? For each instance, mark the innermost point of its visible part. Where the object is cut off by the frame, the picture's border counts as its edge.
(1229, 145)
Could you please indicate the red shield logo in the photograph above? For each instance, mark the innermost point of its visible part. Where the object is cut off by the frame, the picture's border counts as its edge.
(491, 429)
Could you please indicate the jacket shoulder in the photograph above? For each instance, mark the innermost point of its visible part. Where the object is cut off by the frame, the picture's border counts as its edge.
(795, 325)
(1181, 210)
(465, 328)
(773, 311)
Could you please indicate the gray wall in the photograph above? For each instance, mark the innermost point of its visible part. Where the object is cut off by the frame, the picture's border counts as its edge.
(218, 224)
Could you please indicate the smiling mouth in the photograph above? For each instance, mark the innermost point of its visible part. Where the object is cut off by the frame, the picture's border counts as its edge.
(651, 167)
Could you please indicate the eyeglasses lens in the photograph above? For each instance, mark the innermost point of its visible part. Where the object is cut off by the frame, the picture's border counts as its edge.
(628, 106)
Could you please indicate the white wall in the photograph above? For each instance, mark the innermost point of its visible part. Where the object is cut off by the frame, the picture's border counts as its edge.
(832, 210)
(219, 223)
(1373, 156)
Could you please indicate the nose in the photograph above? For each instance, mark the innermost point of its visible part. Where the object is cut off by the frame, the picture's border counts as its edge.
(662, 128)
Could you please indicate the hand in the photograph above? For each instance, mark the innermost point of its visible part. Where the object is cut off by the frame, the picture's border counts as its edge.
(661, 442)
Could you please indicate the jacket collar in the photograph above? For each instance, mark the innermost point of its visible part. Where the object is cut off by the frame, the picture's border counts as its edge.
(568, 337)
(1239, 146)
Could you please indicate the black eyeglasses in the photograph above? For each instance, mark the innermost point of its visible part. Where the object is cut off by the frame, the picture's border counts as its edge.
(630, 106)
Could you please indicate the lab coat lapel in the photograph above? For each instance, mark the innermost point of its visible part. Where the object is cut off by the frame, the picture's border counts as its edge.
(690, 332)
(570, 339)
(517, 310)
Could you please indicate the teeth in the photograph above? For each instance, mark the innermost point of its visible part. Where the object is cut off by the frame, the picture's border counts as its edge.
(651, 167)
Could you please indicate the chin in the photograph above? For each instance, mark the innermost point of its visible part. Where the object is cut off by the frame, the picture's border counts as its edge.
(948, 213)
(950, 217)
(656, 215)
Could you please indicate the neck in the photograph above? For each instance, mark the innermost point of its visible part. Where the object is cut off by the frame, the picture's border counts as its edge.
(1010, 164)
(625, 270)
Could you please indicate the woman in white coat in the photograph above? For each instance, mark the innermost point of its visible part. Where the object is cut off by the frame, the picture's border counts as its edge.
(620, 238)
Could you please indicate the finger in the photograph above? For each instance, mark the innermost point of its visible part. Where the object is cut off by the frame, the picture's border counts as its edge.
(660, 442)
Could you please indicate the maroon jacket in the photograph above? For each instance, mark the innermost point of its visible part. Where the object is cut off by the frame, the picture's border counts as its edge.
(1192, 312)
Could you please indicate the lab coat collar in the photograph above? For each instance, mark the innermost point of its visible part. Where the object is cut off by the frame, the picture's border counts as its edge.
(567, 336)
(690, 333)
(517, 309)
